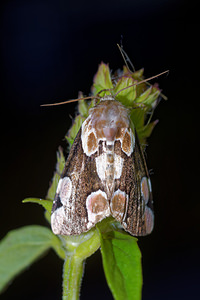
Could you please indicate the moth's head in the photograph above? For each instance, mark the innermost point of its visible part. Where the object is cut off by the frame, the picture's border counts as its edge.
(107, 97)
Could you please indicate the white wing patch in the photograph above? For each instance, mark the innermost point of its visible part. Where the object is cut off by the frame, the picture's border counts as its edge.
(65, 190)
(97, 207)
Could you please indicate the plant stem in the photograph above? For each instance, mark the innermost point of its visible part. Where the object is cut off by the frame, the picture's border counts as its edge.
(77, 249)
(72, 275)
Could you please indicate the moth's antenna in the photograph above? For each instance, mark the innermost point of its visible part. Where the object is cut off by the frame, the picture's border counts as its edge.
(126, 59)
(78, 99)
(142, 81)
(68, 101)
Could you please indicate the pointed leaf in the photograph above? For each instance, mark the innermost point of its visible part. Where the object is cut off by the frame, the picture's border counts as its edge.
(47, 204)
(60, 161)
(150, 100)
(102, 80)
(21, 247)
(74, 129)
(146, 131)
(59, 168)
(128, 95)
(83, 108)
(122, 265)
(143, 96)
(138, 74)
(52, 189)
(137, 117)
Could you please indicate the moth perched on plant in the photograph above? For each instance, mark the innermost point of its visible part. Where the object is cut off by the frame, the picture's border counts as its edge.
(105, 175)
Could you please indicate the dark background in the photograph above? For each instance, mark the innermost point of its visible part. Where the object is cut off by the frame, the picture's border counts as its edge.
(50, 50)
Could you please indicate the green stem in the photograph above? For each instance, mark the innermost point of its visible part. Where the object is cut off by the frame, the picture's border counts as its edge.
(77, 249)
(72, 275)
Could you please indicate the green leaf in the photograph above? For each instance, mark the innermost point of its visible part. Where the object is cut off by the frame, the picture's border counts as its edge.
(21, 247)
(59, 168)
(60, 162)
(53, 186)
(128, 95)
(122, 265)
(151, 99)
(83, 108)
(47, 204)
(138, 74)
(74, 129)
(143, 96)
(137, 116)
(146, 131)
(102, 80)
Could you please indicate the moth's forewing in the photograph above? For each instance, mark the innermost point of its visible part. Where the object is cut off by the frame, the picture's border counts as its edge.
(80, 200)
(139, 217)
(105, 174)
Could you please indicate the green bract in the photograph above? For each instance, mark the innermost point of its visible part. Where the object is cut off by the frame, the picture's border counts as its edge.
(120, 253)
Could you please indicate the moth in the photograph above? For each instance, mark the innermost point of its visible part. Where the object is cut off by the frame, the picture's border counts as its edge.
(105, 175)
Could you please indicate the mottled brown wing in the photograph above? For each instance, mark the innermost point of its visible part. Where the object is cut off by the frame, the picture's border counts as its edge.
(138, 218)
(79, 179)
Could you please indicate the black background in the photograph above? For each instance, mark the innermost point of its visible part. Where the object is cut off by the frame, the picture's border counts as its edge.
(50, 50)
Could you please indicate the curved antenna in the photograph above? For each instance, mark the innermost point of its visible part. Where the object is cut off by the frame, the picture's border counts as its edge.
(78, 99)
(105, 90)
(68, 101)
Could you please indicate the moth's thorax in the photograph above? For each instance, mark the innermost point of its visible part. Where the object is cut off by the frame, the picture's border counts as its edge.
(108, 118)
